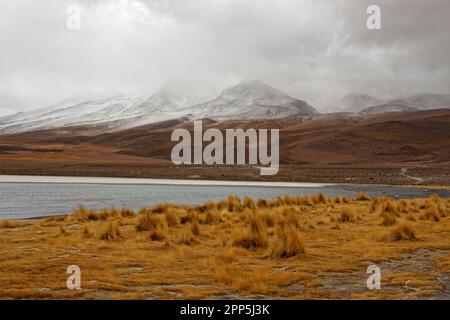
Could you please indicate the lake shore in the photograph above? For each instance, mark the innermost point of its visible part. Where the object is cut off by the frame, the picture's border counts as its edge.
(394, 174)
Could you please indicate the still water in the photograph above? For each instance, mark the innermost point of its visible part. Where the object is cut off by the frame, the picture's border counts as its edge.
(30, 197)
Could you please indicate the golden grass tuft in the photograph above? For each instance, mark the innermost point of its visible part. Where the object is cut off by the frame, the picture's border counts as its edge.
(251, 241)
(341, 200)
(212, 217)
(148, 222)
(255, 237)
(234, 203)
(112, 231)
(262, 203)
(432, 213)
(287, 242)
(249, 203)
(347, 215)
(86, 231)
(403, 231)
(388, 219)
(158, 233)
(161, 208)
(171, 218)
(126, 213)
(256, 223)
(195, 227)
(7, 224)
(187, 238)
(319, 198)
(362, 196)
(289, 217)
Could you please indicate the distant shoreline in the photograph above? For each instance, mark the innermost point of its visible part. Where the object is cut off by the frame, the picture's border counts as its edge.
(172, 181)
(187, 182)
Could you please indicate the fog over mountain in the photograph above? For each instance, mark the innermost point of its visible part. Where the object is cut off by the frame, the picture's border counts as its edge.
(317, 51)
(252, 100)
(353, 103)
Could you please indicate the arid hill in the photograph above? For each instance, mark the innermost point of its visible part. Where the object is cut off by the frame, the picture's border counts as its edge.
(321, 148)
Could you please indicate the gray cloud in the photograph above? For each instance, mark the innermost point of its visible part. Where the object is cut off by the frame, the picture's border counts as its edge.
(314, 50)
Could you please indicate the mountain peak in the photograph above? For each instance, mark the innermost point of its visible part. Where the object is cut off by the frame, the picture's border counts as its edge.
(253, 100)
(254, 87)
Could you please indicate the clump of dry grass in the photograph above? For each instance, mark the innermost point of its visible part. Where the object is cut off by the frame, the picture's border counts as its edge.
(112, 231)
(256, 223)
(195, 227)
(234, 203)
(251, 241)
(209, 206)
(287, 242)
(431, 213)
(212, 217)
(267, 217)
(378, 204)
(86, 231)
(255, 237)
(161, 208)
(190, 217)
(149, 222)
(249, 203)
(341, 200)
(127, 213)
(158, 233)
(362, 196)
(7, 224)
(187, 238)
(171, 218)
(403, 231)
(289, 217)
(262, 203)
(403, 207)
(391, 207)
(347, 215)
(388, 219)
(319, 198)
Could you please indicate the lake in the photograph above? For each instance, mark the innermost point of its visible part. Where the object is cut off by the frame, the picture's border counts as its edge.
(30, 197)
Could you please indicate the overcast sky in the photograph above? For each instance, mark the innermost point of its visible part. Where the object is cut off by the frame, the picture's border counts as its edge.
(313, 50)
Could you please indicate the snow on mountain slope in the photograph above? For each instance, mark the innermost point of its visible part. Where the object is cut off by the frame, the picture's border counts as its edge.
(121, 111)
(425, 101)
(386, 108)
(252, 101)
(353, 103)
(73, 112)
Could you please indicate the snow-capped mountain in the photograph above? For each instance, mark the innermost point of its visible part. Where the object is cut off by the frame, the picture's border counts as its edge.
(353, 103)
(425, 101)
(252, 100)
(120, 111)
(73, 112)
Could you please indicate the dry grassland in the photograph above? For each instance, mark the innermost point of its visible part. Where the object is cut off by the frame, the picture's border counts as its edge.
(291, 247)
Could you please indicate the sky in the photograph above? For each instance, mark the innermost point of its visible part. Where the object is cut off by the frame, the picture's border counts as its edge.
(315, 50)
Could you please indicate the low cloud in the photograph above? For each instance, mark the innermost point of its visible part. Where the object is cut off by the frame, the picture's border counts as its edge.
(314, 50)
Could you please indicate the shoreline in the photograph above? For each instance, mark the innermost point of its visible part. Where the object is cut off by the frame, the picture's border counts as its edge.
(152, 181)
(189, 182)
